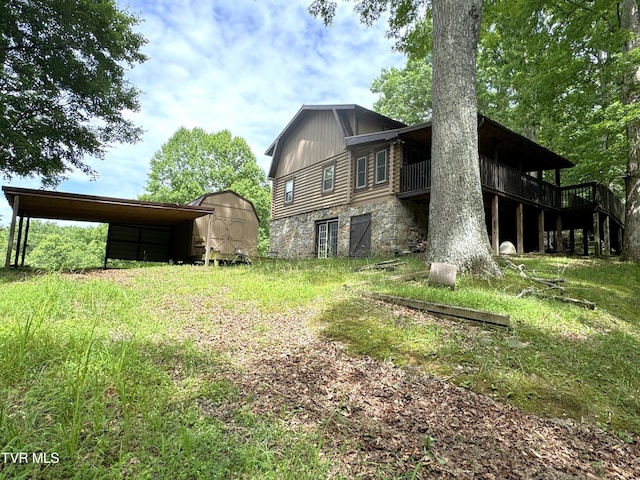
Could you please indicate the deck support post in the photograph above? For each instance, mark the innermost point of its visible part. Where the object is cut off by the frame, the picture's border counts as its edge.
(585, 242)
(572, 241)
(607, 236)
(559, 240)
(541, 231)
(596, 233)
(520, 228)
(495, 225)
(12, 231)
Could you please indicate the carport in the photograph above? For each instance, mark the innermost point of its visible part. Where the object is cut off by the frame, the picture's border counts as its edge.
(138, 230)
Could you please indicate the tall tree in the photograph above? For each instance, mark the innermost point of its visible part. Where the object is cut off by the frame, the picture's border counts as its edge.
(630, 20)
(456, 191)
(63, 91)
(457, 228)
(194, 162)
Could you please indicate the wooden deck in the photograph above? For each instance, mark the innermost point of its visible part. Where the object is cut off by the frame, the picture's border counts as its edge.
(591, 196)
(415, 181)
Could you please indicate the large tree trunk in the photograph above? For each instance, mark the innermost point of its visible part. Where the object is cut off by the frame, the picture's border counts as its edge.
(457, 229)
(631, 244)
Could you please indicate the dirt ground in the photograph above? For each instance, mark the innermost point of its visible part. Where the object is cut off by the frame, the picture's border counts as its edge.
(380, 421)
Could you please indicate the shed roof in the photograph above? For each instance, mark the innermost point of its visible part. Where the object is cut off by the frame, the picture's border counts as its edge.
(199, 201)
(53, 205)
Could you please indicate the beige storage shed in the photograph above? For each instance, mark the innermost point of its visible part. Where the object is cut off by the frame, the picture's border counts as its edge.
(232, 228)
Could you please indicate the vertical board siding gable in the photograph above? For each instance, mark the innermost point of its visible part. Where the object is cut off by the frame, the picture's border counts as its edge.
(316, 139)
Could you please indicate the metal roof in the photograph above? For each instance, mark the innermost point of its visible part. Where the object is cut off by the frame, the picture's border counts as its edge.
(274, 149)
(512, 146)
(198, 201)
(53, 205)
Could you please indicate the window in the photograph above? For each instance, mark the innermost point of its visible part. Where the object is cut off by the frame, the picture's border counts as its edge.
(361, 172)
(288, 191)
(327, 178)
(381, 166)
(327, 238)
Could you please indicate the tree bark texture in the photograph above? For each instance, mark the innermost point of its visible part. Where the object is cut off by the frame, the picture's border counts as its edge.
(631, 243)
(457, 229)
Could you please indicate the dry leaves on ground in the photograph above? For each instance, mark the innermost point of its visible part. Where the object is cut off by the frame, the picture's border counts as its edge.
(380, 421)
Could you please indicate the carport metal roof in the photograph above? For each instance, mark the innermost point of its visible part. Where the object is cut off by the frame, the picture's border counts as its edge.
(88, 208)
(46, 204)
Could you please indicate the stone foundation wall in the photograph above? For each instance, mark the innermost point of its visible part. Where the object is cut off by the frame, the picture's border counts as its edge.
(395, 226)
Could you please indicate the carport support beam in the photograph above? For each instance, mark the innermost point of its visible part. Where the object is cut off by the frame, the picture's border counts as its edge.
(24, 243)
(18, 242)
(12, 230)
(207, 253)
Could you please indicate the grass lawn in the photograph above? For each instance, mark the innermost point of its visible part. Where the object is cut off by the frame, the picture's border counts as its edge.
(557, 359)
(98, 374)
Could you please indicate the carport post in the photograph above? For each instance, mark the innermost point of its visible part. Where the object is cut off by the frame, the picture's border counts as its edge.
(18, 242)
(207, 252)
(12, 230)
(24, 243)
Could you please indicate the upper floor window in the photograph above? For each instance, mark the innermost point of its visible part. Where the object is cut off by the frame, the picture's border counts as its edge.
(288, 191)
(361, 172)
(381, 166)
(328, 173)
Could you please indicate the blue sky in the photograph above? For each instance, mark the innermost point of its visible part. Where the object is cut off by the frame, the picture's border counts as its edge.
(242, 65)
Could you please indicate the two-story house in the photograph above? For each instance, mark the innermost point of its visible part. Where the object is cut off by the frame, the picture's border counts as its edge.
(347, 181)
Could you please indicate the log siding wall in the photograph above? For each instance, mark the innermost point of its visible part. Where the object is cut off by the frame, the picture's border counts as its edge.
(307, 188)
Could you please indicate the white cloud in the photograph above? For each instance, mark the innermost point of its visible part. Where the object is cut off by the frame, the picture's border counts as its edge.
(242, 65)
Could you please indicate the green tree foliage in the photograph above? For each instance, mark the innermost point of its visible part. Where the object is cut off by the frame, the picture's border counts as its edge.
(405, 93)
(549, 70)
(4, 239)
(62, 247)
(194, 162)
(63, 91)
(553, 71)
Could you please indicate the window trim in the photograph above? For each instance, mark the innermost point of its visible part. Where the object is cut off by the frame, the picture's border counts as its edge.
(377, 181)
(364, 171)
(286, 183)
(331, 166)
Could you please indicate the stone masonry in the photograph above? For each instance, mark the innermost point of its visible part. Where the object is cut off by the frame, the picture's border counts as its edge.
(395, 226)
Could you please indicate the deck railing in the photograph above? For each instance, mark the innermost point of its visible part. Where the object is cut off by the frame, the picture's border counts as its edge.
(591, 195)
(416, 178)
(493, 175)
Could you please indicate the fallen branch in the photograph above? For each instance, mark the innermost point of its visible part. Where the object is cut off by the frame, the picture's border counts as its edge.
(545, 281)
(551, 284)
(404, 277)
(574, 301)
(386, 265)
